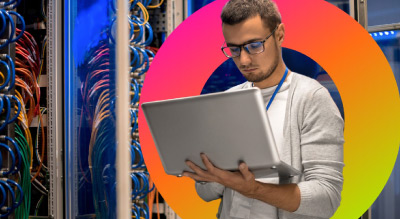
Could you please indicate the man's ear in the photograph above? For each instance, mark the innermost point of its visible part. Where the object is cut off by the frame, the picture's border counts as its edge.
(280, 34)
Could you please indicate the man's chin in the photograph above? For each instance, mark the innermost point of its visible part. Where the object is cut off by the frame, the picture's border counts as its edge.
(255, 77)
(251, 78)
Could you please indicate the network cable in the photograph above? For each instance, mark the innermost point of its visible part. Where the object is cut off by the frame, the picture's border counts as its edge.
(143, 189)
(10, 4)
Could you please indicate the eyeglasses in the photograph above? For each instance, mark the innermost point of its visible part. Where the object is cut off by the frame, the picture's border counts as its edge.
(250, 48)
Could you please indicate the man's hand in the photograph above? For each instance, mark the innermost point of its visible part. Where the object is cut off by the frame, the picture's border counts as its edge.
(242, 181)
(286, 197)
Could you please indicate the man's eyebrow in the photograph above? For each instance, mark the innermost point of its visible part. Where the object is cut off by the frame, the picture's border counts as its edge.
(246, 42)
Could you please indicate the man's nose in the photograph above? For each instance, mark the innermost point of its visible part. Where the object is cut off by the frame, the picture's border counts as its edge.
(244, 57)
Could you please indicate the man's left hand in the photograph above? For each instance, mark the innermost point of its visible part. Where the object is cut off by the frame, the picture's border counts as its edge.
(242, 181)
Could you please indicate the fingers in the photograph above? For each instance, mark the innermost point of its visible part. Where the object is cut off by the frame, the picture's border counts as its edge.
(246, 173)
(199, 174)
(209, 174)
(194, 167)
(207, 162)
(194, 176)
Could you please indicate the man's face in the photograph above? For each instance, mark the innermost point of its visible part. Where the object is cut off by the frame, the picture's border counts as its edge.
(254, 67)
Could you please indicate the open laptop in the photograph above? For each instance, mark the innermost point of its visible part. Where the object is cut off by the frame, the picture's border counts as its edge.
(229, 127)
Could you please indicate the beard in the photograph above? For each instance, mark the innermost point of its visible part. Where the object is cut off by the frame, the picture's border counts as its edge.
(255, 78)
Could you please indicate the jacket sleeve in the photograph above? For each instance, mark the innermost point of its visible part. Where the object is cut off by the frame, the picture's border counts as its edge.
(322, 156)
(209, 191)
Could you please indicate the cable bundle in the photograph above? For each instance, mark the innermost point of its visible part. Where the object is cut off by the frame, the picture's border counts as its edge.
(96, 132)
(143, 189)
(29, 67)
(97, 129)
(15, 184)
(7, 21)
(16, 196)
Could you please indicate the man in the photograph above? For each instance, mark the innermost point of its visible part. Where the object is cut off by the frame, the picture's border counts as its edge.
(306, 123)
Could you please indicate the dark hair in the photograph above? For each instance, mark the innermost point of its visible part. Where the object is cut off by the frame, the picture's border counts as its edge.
(236, 11)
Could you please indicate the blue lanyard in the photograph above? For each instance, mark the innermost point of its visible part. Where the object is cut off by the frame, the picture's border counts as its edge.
(277, 88)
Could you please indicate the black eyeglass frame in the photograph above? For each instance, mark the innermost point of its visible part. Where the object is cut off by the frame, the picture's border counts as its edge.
(247, 44)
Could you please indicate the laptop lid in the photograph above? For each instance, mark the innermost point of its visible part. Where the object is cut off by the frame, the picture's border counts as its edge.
(229, 127)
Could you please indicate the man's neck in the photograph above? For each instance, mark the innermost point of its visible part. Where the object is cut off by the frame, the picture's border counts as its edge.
(274, 79)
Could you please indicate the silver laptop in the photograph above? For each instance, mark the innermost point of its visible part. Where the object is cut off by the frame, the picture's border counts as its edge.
(229, 127)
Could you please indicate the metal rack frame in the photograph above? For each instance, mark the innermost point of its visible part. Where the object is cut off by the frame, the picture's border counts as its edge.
(55, 108)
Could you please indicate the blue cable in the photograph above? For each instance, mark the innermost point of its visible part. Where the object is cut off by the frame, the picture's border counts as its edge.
(145, 184)
(140, 209)
(3, 125)
(146, 3)
(134, 121)
(137, 212)
(154, 186)
(3, 27)
(134, 213)
(147, 209)
(3, 197)
(1, 104)
(145, 51)
(12, 28)
(145, 60)
(145, 57)
(23, 25)
(141, 161)
(139, 188)
(132, 30)
(133, 156)
(145, 213)
(145, 188)
(8, 75)
(135, 59)
(18, 152)
(110, 29)
(131, 111)
(135, 185)
(150, 37)
(137, 209)
(18, 111)
(12, 83)
(9, 209)
(16, 5)
(135, 124)
(134, 3)
(136, 89)
(140, 34)
(8, 3)
(150, 52)
(21, 193)
(136, 143)
(140, 63)
(10, 151)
